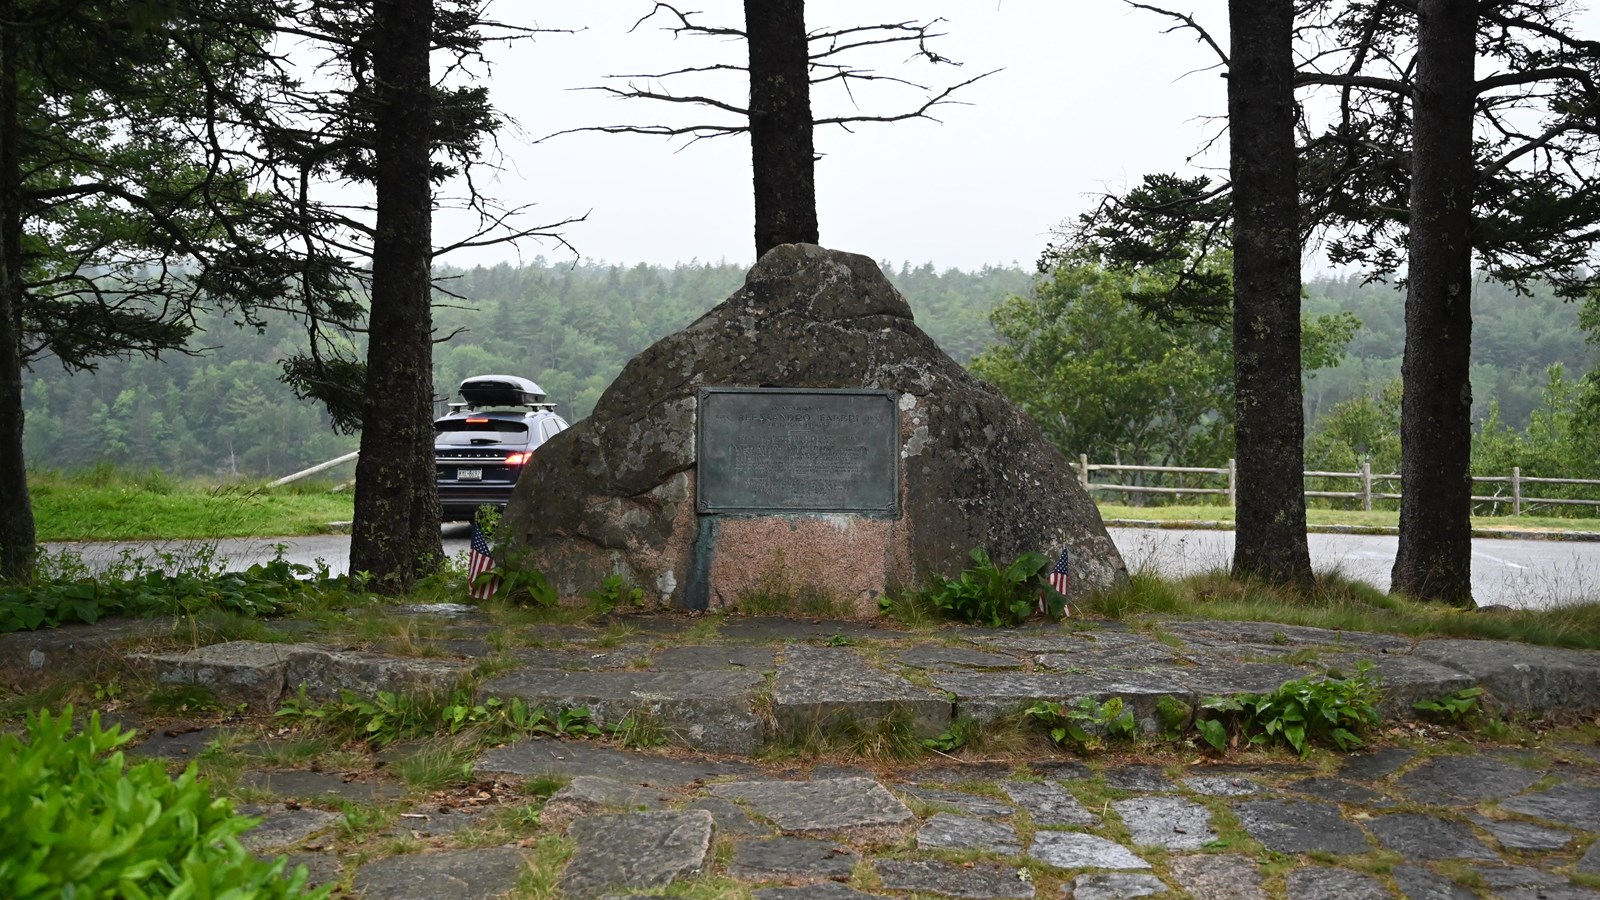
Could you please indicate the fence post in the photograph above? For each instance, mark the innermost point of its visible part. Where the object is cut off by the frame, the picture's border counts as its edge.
(1516, 490)
(1366, 485)
(1083, 470)
(1233, 484)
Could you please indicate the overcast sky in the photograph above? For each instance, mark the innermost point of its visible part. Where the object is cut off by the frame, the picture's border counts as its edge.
(1092, 96)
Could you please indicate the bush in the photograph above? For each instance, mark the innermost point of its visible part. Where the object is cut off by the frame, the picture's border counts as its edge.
(75, 821)
(986, 594)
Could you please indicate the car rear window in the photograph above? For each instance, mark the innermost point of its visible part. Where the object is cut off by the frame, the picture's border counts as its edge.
(466, 432)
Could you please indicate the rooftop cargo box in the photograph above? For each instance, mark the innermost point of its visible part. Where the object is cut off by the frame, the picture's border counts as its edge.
(500, 390)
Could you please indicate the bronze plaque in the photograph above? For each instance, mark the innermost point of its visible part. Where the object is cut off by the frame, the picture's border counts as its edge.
(776, 450)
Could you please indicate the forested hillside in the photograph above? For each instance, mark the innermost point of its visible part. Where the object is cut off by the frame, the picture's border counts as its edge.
(571, 328)
(1515, 339)
(223, 411)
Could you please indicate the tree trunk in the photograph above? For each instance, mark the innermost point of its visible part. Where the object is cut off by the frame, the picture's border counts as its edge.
(1435, 555)
(395, 535)
(16, 511)
(1270, 432)
(781, 151)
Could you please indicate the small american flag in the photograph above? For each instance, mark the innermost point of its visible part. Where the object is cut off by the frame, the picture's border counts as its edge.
(1059, 580)
(479, 561)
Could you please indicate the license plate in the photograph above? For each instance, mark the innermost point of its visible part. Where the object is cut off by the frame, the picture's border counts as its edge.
(469, 474)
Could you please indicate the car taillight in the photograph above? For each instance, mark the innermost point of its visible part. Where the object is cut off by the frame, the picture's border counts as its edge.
(517, 459)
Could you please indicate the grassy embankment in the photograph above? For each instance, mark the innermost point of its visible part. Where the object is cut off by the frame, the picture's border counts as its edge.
(111, 505)
(1376, 518)
(107, 504)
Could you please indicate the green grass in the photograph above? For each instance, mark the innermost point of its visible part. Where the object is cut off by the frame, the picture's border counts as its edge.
(1375, 518)
(105, 504)
(1338, 603)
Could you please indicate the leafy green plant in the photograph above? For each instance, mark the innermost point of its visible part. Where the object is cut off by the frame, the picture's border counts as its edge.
(1463, 709)
(76, 821)
(960, 733)
(388, 716)
(1322, 709)
(986, 594)
(615, 591)
(1085, 725)
(1456, 709)
(264, 589)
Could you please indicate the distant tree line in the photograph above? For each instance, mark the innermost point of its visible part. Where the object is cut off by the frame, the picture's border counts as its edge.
(1115, 395)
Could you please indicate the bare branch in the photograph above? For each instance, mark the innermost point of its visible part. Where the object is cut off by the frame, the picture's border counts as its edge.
(1187, 22)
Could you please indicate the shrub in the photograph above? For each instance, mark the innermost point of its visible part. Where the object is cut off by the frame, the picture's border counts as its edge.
(75, 821)
(1320, 709)
(986, 594)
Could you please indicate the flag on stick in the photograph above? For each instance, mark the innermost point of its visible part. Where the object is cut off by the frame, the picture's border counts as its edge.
(1059, 580)
(479, 561)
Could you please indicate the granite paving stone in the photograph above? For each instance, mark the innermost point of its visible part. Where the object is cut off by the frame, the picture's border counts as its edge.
(1524, 883)
(1376, 765)
(437, 821)
(991, 696)
(979, 881)
(968, 804)
(450, 875)
(710, 711)
(179, 740)
(714, 656)
(1060, 769)
(833, 804)
(1223, 785)
(589, 794)
(1217, 877)
(784, 630)
(1300, 826)
(1417, 883)
(1048, 803)
(1116, 886)
(1525, 677)
(569, 759)
(730, 817)
(1417, 836)
(937, 657)
(1573, 805)
(282, 826)
(1139, 779)
(321, 868)
(956, 772)
(1072, 850)
(250, 672)
(636, 850)
(1170, 822)
(826, 890)
(784, 858)
(1515, 835)
(580, 659)
(827, 688)
(325, 674)
(1338, 790)
(1589, 863)
(944, 831)
(1323, 883)
(1465, 780)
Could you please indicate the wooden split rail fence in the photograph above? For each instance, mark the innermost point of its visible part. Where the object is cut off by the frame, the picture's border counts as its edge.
(1370, 486)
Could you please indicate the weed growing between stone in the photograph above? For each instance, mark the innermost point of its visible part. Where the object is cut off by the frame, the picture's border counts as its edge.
(1320, 709)
(1086, 725)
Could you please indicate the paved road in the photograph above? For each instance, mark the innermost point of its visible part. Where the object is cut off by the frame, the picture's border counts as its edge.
(1518, 573)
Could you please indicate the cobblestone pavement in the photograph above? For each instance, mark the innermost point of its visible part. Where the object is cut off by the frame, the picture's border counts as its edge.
(754, 797)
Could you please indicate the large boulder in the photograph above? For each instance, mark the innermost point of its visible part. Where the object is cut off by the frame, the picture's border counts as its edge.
(616, 492)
